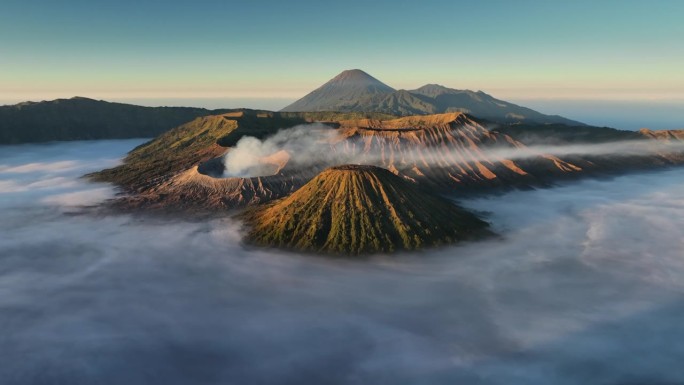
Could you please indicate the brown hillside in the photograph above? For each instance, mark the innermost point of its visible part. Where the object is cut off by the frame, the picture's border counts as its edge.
(444, 150)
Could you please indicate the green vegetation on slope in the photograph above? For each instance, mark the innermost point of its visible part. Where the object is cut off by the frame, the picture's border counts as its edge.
(358, 210)
(171, 152)
(86, 119)
(186, 146)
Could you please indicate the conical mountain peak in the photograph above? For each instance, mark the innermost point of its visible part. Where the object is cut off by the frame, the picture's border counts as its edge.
(358, 81)
(342, 92)
(355, 74)
(358, 209)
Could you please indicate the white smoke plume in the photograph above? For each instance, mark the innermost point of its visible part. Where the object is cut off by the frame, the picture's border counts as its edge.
(643, 147)
(305, 144)
(312, 145)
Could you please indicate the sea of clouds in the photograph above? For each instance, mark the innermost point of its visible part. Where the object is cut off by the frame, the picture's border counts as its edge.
(584, 286)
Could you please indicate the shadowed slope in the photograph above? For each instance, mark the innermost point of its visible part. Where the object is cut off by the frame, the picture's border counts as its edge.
(484, 106)
(360, 209)
(85, 119)
(174, 151)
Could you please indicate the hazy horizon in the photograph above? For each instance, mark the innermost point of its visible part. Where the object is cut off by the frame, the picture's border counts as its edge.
(624, 56)
(621, 114)
(581, 50)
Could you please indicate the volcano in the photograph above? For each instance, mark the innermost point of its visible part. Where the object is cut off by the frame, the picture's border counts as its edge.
(357, 91)
(343, 93)
(354, 209)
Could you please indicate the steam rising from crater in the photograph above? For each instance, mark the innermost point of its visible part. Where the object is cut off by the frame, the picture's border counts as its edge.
(304, 146)
(321, 146)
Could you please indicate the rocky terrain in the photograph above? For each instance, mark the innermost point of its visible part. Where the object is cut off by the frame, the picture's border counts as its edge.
(183, 169)
(384, 199)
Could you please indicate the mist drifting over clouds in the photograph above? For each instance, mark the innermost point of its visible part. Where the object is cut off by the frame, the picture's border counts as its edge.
(585, 286)
(317, 144)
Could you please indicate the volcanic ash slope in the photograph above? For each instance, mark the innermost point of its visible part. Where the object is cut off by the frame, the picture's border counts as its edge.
(355, 209)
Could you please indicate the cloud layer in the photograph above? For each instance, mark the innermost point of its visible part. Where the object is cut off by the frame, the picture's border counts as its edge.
(585, 286)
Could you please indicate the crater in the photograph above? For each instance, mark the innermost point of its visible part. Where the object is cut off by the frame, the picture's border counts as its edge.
(246, 167)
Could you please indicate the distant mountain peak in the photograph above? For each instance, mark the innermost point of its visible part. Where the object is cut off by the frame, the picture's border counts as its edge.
(358, 78)
(356, 91)
(342, 91)
(354, 74)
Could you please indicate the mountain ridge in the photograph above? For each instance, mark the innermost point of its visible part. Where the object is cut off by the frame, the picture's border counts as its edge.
(184, 166)
(81, 118)
(367, 94)
(183, 169)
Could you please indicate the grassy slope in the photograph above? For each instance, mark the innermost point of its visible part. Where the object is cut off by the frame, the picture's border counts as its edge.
(357, 210)
(85, 119)
(171, 152)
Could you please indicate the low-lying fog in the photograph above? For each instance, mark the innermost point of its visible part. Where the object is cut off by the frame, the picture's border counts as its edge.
(586, 287)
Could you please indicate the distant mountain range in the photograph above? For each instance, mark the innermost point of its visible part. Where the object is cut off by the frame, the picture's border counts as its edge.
(352, 92)
(81, 118)
(355, 90)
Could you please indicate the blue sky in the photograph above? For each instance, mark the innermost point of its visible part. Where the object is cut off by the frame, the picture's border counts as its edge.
(278, 50)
